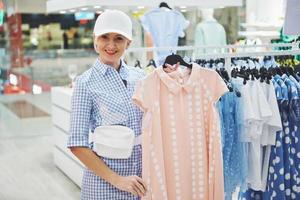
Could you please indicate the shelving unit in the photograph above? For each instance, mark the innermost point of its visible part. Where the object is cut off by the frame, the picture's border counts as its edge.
(63, 158)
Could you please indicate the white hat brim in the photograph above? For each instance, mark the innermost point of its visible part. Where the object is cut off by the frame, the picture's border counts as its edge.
(98, 33)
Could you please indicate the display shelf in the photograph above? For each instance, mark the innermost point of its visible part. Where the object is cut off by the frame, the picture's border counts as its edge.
(272, 34)
(261, 25)
(63, 157)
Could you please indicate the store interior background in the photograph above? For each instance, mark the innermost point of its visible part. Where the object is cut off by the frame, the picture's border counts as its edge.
(34, 57)
(32, 44)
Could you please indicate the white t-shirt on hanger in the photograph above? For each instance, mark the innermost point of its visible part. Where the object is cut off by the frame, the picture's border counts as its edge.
(258, 157)
(273, 124)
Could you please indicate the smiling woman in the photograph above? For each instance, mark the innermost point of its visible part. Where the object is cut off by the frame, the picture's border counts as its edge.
(111, 46)
(112, 37)
(101, 104)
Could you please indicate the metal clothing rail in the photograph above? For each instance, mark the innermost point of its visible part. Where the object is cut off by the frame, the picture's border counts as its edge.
(190, 48)
(250, 54)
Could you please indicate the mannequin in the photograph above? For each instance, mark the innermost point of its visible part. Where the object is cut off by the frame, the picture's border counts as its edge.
(209, 32)
(208, 15)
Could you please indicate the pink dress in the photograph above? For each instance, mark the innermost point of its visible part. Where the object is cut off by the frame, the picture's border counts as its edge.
(182, 156)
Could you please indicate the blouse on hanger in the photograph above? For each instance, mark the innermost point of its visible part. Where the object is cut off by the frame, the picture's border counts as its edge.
(182, 157)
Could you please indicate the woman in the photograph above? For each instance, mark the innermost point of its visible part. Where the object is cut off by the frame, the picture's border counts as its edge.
(102, 96)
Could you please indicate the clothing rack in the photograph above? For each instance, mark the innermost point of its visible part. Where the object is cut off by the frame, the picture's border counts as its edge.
(294, 45)
(295, 50)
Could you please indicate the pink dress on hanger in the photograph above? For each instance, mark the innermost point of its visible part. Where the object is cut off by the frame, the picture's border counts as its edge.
(181, 146)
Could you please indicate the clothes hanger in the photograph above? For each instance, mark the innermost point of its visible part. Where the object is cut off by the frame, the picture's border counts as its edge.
(284, 70)
(262, 72)
(174, 59)
(151, 63)
(224, 74)
(297, 68)
(164, 5)
(137, 64)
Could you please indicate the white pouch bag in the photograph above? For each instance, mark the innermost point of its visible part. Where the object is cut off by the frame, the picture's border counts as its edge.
(113, 141)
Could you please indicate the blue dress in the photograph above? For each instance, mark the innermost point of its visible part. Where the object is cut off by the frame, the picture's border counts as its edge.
(232, 148)
(101, 98)
(293, 117)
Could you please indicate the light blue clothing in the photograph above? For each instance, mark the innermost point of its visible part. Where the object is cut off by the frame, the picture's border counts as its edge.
(284, 89)
(101, 98)
(277, 90)
(165, 27)
(295, 82)
(209, 33)
(292, 88)
(232, 149)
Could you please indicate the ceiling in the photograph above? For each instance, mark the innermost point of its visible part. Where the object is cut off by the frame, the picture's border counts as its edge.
(78, 5)
(55, 6)
(26, 6)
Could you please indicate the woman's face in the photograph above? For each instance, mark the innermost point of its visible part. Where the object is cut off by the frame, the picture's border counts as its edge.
(111, 47)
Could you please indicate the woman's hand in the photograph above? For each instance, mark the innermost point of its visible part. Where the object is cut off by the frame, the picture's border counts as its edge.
(171, 68)
(132, 184)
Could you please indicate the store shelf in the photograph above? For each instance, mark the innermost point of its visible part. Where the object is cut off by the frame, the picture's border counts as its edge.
(63, 158)
(260, 25)
(259, 33)
(73, 170)
(60, 118)
(60, 138)
(61, 96)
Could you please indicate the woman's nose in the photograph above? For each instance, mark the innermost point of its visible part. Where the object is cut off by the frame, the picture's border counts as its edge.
(111, 43)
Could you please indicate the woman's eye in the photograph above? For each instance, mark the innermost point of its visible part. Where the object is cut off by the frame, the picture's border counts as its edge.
(120, 38)
(104, 36)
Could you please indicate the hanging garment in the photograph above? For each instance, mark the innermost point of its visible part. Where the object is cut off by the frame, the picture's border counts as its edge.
(165, 27)
(291, 128)
(283, 178)
(256, 115)
(234, 161)
(182, 156)
(271, 126)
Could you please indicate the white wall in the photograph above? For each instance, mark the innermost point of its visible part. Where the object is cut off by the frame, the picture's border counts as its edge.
(26, 6)
(266, 11)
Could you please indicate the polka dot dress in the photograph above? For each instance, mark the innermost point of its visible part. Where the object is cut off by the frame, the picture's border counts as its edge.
(182, 158)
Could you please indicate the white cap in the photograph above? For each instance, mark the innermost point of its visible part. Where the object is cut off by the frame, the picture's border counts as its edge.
(113, 21)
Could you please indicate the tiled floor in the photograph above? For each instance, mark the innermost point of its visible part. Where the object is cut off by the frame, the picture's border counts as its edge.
(27, 170)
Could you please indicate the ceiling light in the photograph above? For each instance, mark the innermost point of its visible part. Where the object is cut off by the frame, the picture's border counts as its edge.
(99, 12)
(182, 7)
(62, 12)
(183, 10)
(141, 7)
(84, 9)
(97, 7)
(13, 79)
(72, 10)
(36, 89)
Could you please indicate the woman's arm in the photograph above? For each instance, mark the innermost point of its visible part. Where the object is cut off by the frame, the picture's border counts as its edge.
(132, 184)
